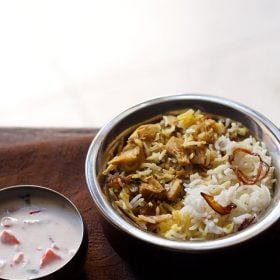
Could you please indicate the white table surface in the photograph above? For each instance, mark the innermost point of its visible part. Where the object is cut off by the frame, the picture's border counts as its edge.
(79, 63)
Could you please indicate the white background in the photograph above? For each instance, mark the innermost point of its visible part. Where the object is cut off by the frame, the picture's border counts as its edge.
(78, 63)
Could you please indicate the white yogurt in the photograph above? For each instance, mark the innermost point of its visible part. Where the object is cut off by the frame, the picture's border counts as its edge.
(38, 235)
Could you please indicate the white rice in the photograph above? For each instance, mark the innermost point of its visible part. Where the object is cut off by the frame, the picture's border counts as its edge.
(223, 184)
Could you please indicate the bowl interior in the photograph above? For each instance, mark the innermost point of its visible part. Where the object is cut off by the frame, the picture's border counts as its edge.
(123, 124)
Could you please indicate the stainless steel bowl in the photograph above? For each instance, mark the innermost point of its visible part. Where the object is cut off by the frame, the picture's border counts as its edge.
(121, 124)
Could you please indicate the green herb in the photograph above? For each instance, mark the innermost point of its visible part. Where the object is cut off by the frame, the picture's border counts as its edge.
(32, 271)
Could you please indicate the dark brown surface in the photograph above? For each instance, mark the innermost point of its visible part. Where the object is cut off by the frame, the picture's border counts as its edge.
(55, 158)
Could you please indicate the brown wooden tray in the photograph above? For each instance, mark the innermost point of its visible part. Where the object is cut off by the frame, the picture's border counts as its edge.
(55, 158)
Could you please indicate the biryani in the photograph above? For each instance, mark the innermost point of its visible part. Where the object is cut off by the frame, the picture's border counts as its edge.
(191, 176)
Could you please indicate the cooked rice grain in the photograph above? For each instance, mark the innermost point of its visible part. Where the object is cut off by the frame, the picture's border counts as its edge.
(199, 158)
